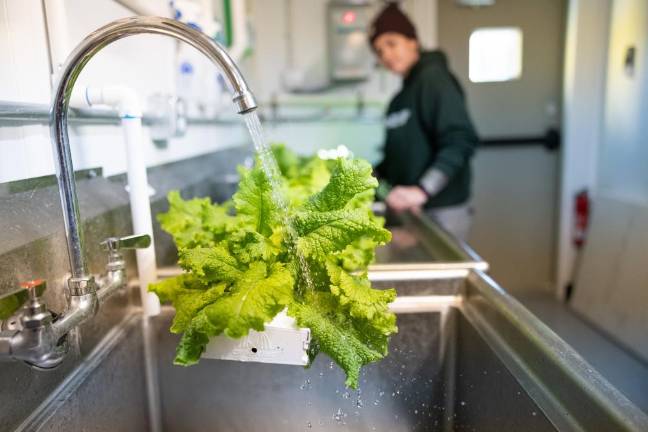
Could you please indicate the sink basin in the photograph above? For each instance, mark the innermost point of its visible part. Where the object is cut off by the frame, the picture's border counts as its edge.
(467, 357)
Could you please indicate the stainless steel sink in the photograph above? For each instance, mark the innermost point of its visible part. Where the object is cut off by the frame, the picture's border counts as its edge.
(467, 357)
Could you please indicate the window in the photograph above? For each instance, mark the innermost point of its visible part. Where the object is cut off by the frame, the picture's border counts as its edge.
(495, 54)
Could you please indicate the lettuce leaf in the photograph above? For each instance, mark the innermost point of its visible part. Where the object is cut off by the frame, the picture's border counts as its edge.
(334, 333)
(242, 268)
(255, 298)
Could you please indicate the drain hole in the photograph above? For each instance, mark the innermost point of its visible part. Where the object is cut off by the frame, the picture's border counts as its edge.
(254, 350)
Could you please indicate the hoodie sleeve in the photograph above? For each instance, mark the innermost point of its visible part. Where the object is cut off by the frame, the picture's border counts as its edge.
(446, 120)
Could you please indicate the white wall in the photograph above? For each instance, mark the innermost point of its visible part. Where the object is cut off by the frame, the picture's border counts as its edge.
(584, 101)
(24, 77)
(623, 157)
(145, 63)
(611, 289)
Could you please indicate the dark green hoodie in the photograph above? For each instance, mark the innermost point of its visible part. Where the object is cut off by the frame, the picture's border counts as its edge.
(428, 126)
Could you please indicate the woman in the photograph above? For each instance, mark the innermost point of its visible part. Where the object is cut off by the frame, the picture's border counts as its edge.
(430, 138)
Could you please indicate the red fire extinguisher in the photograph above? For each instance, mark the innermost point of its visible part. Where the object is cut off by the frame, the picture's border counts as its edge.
(582, 209)
(581, 218)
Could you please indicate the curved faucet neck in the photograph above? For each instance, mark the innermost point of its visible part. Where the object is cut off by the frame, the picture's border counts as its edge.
(73, 66)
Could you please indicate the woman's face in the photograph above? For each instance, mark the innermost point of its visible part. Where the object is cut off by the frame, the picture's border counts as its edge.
(396, 52)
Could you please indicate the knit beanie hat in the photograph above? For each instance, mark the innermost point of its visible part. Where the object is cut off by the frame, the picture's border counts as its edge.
(391, 19)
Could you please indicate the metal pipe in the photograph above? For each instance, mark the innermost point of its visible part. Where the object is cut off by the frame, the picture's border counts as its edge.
(75, 63)
(31, 113)
(39, 113)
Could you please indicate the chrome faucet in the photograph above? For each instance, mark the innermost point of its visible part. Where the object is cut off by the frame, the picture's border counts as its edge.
(41, 340)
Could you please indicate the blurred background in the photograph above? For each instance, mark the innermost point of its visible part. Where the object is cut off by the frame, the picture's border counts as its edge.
(557, 90)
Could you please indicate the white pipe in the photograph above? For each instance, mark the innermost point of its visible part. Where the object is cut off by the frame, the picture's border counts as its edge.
(57, 35)
(126, 101)
(239, 31)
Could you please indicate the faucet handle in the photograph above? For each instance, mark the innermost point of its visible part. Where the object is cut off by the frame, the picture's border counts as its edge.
(35, 288)
(36, 314)
(114, 244)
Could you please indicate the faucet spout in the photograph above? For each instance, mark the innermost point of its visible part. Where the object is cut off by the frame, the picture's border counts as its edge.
(91, 45)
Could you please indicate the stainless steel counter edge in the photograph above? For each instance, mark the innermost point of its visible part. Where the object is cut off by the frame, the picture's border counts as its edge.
(571, 393)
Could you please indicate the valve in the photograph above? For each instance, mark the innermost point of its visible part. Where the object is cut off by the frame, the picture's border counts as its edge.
(35, 313)
(115, 244)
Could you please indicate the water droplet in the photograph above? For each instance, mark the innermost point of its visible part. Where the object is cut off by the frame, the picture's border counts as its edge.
(331, 365)
(309, 425)
(463, 403)
(359, 403)
(346, 395)
(321, 374)
(376, 402)
(381, 394)
(338, 415)
(415, 411)
(393, 394)
(533, 413)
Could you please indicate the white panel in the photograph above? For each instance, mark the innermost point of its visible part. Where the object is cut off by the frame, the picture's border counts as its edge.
(624, 154)
(612, 284)
(23, 52)
(584, 100)
(103, 146)
(612, 287)
(143, 62)
(514, 196)
(24, 72)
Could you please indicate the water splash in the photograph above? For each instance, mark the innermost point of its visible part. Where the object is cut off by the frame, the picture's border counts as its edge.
(272, 172)
(339, 415)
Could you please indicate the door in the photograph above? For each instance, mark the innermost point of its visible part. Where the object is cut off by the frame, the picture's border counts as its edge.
(515, 186)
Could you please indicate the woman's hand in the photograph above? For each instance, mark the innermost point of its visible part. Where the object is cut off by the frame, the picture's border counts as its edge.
(403, 198)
